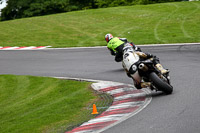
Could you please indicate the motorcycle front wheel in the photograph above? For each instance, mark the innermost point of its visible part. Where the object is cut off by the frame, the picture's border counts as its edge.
(160, 84)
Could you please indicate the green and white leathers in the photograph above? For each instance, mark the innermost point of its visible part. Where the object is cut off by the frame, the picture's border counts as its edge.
(114, 43)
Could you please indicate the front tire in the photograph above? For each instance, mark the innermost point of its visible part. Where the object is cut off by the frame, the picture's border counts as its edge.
(160, 84)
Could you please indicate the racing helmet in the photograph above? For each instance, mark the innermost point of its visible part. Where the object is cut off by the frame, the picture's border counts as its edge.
(108, 37)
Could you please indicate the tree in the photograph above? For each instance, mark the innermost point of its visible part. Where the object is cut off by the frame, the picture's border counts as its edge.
(14, 9)
(28, 8)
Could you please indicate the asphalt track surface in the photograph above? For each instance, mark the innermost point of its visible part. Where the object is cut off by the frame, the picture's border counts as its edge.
(175, 113)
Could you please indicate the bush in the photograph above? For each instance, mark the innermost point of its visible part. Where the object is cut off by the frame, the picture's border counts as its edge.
(141, 2)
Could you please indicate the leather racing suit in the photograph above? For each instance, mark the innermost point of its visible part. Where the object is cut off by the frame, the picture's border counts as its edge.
(116, 45)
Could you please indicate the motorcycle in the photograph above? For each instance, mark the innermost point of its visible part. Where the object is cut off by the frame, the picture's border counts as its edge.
(145, 71)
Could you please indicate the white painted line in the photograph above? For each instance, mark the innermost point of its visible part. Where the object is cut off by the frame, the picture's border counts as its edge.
(129, 96)
(139, 45)
(115, 91)
(8, 48)
(172, 44)
(81, 79)
(25, 48)
(105, 118)
(106, 84)
(79, 47)
(125, 105)
(85, 131)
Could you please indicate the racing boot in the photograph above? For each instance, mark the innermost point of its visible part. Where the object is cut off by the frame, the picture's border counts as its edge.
(161, 69)
(145, 84)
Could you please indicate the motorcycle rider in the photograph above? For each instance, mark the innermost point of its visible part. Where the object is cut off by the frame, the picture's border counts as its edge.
(117, 45)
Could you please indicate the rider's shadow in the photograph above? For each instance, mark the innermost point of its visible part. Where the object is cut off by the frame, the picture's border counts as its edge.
(118, 70)
(156, 94)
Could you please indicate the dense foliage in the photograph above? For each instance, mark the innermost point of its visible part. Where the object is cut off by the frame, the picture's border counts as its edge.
(28, 8)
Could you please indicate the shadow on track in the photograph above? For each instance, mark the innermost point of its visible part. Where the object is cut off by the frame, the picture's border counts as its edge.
(120, 70)
(157, 94)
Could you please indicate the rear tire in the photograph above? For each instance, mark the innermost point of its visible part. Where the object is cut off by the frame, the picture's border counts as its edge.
(160, 84)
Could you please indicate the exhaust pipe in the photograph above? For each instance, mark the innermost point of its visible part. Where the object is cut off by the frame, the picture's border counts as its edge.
(143, 67)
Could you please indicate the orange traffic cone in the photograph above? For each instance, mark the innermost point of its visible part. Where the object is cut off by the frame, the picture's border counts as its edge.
(94, 109)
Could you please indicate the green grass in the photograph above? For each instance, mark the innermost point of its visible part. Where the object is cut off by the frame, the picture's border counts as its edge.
(142, 24)
(40, 104)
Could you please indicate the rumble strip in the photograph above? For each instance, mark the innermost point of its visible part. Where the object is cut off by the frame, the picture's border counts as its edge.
(127, 102)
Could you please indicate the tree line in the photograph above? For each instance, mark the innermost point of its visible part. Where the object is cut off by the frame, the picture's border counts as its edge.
(28, 8)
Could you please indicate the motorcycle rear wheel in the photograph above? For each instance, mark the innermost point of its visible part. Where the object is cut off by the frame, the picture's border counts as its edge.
(160, 84)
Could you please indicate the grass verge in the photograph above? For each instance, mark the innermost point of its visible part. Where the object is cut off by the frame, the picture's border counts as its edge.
(40, 104)
(176, 22)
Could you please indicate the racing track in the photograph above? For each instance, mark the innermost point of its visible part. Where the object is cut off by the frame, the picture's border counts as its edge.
(176, 113)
